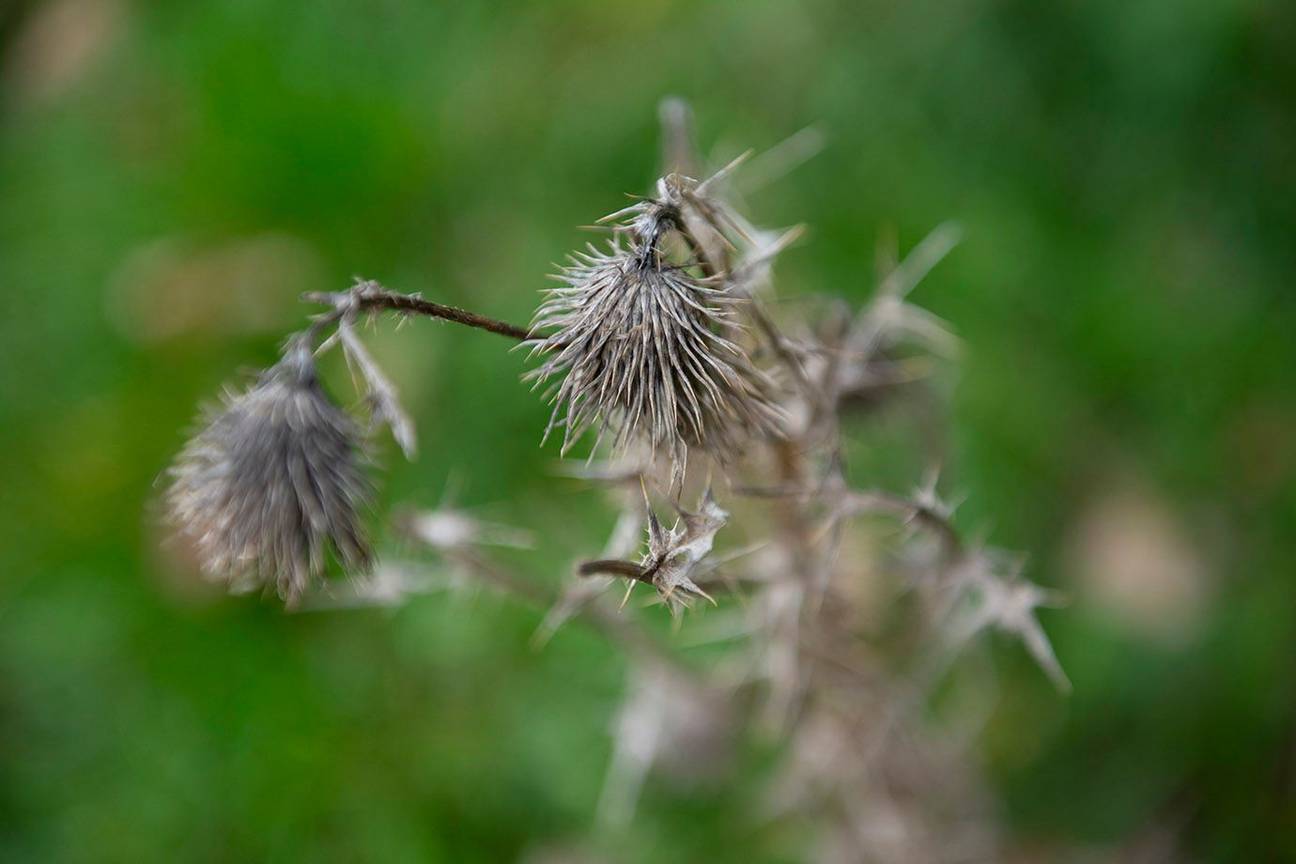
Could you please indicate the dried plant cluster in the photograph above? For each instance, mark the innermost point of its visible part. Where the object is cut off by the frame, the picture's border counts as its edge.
(834, 616)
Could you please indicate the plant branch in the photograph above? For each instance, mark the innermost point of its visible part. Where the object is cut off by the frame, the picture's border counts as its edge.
(367, 296)
(617, 628)
(615, 567)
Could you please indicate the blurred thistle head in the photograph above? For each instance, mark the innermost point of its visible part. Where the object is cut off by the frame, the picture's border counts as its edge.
(272, 479)
(648, 351)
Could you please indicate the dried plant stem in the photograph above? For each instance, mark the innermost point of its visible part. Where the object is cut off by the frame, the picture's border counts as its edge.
(792, 514)
(370, 296)
(909, 509)
(620, 629)
(679, 151)
(417, 305)
(615, 567)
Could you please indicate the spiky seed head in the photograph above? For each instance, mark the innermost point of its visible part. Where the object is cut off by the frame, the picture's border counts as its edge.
(272, 479)
(648, 351)
(673, 556)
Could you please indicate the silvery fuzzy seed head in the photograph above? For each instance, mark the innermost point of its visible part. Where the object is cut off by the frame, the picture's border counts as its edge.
(646, 350)
(271, 481)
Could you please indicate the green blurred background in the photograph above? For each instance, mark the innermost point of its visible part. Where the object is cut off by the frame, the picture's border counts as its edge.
(172, 176)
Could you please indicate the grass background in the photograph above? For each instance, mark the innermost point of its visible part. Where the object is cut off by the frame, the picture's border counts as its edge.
(173, 175)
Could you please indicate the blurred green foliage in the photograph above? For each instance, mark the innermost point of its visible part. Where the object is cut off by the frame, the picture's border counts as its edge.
(1125, 176)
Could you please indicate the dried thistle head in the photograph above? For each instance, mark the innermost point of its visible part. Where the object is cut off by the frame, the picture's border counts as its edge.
(647, 349)
(272, 480)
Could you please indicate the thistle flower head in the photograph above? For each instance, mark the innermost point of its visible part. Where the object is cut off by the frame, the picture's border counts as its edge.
(272, 480)
(646, 349)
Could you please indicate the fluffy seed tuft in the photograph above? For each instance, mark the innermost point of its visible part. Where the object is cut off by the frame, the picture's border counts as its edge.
(272, 480)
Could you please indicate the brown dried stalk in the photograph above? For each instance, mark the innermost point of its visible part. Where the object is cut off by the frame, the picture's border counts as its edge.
(369, 296)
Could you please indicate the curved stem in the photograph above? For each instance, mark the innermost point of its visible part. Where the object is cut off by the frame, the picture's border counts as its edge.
(370, 296)
(615, 567)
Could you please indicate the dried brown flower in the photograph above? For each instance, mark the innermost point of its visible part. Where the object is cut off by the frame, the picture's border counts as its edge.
(648, 350)
(272, 480)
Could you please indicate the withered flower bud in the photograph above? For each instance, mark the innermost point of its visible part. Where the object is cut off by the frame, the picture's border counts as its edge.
(271, 481)
(648, 349)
